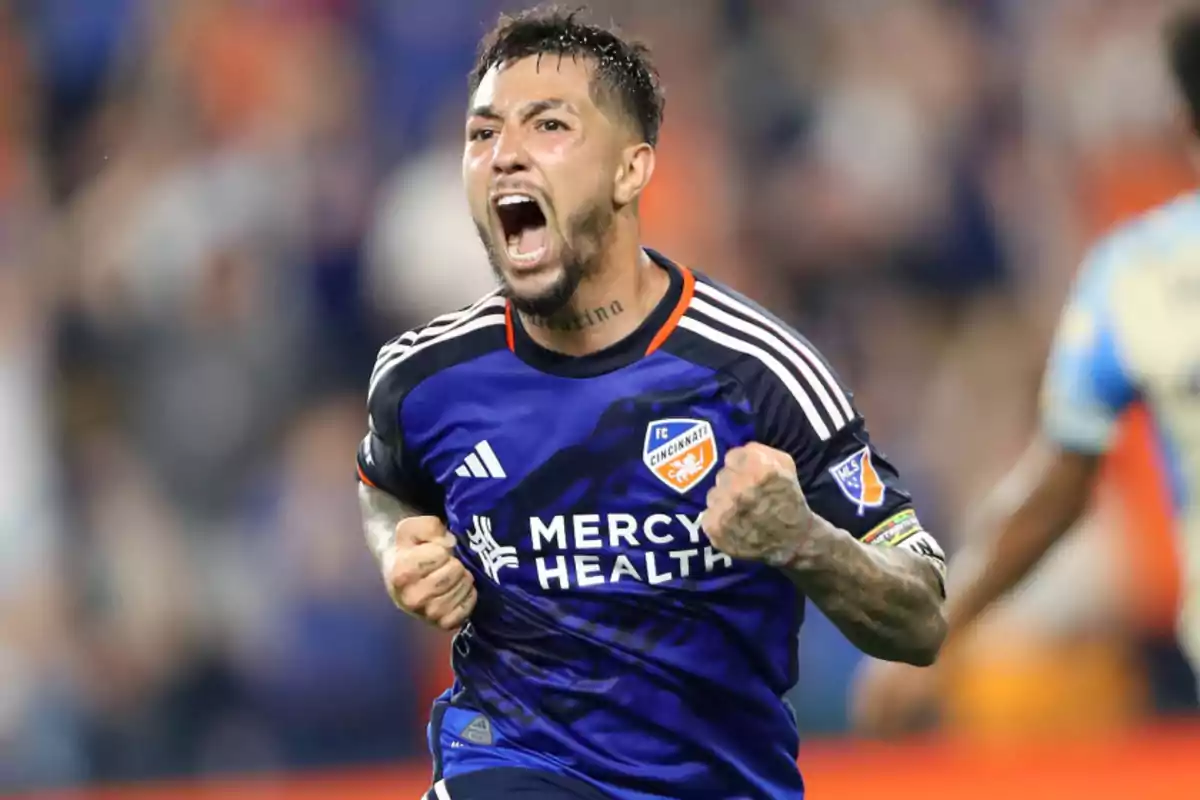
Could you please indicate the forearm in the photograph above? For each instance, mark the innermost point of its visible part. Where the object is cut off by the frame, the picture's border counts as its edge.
(1027, 514)
(996, 566)
(381, 513)
(886, 600)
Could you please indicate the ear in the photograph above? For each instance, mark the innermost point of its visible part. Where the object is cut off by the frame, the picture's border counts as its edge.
(633, 173)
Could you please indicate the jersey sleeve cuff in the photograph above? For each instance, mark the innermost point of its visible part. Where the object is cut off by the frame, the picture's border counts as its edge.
(370, 471)
(363, 477)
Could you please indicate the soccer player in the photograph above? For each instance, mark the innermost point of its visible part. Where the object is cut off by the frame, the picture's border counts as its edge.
(617, 479)
(1129, 333)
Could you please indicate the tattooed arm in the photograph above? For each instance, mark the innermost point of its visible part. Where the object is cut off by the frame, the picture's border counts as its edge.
(382, 514)
(416, 555)
(886, 600)
(401, 503)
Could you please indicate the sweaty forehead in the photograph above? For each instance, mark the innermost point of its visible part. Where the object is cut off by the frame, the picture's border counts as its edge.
(510, 85)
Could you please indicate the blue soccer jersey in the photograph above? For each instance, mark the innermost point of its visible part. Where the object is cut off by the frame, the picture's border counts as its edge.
(611, 642)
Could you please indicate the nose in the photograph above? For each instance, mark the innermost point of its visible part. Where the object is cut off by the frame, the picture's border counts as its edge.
(510, 155)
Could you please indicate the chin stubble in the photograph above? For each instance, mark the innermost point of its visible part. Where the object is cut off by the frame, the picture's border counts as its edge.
(589, 230)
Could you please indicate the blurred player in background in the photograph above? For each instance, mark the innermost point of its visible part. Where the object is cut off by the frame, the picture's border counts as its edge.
(1129, 333)
(619, 478)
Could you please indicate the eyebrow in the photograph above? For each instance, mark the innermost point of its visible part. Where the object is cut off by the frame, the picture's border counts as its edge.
(530, 111)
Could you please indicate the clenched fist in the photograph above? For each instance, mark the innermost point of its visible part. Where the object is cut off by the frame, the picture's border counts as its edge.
(423, 576)
(757, 509)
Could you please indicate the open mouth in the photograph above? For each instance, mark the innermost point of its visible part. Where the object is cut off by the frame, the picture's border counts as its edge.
(524, 225)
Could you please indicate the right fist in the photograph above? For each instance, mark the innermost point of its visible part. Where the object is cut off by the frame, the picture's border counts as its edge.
(424, 578)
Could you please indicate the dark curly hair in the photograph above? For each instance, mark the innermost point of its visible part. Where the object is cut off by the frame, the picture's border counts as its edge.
(623, 71)
(1183, 55)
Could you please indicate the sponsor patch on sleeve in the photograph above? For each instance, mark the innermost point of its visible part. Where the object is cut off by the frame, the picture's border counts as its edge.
(858, 480)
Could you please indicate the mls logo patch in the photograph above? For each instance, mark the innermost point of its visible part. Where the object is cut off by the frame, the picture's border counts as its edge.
(858, 480)
(680, 452)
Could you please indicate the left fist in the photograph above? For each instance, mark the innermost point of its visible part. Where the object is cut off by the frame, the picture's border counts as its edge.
(757, 509)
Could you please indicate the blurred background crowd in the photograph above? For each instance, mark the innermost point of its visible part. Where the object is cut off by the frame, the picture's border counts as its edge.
(213, 212)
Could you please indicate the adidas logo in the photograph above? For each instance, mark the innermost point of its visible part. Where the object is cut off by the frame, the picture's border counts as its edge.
(481, 463)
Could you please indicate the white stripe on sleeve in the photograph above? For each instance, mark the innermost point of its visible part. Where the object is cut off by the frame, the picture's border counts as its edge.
(770, 362)
(797, 344)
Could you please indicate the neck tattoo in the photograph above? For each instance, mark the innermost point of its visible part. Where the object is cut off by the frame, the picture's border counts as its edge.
(570, 323)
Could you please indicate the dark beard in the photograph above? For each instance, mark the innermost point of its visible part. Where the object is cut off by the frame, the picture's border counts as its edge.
(554, 299)
(584, 242)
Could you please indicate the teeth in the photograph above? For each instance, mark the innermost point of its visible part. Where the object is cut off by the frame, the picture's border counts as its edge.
(527, 258)
(509, 199)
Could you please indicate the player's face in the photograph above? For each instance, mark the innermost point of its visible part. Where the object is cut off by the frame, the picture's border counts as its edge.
(539, 167)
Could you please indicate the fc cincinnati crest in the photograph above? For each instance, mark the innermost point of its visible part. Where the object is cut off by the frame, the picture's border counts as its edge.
(858, 480)
(680, 451)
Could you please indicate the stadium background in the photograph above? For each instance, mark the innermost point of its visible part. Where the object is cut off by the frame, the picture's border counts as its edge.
(212, 212)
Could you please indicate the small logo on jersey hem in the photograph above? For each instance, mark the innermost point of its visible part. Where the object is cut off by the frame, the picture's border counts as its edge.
(858, 480)
(680, 452)
(479, 731)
